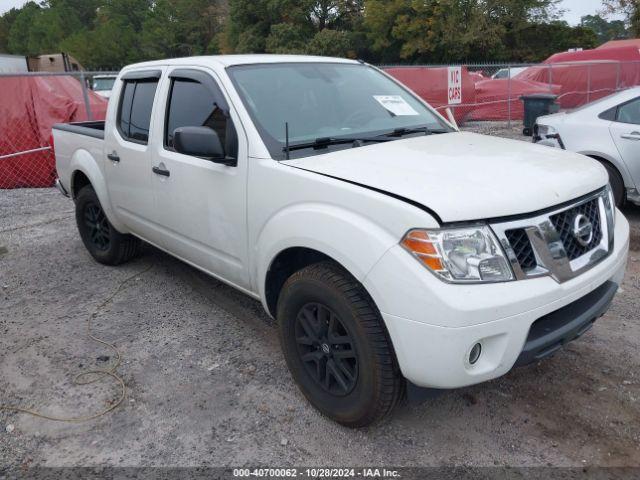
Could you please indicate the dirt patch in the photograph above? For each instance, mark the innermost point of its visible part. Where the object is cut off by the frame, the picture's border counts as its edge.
(207, 385)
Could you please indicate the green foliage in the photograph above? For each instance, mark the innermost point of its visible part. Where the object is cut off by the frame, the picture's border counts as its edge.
(558, 36)
(112, 33)
(287, 38)
(629, 8)
(331, 43)
(604, 30)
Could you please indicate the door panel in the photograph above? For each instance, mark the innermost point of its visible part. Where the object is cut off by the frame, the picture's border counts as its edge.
(201, 205)
(128, 161)
(625, 131)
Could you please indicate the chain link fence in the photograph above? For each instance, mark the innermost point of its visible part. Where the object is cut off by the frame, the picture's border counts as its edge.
(493, 92)
(30, 104)
(481, 97)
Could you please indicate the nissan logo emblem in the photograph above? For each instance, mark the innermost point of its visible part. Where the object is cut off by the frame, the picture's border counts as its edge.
(582, 229)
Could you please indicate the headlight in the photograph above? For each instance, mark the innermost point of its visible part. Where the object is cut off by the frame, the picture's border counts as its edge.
(544, 130)
(610, 208)
(460, 255)
(611, 200)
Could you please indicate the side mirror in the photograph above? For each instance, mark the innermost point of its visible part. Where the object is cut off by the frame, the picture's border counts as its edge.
(201, 142)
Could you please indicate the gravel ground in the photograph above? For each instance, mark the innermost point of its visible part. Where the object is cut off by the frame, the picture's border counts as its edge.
(207, 384)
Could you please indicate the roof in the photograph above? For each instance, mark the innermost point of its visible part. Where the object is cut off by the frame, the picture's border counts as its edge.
(231, 60)
(631, 42)
(613, 99)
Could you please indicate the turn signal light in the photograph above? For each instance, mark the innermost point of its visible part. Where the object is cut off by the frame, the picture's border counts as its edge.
(423, 248)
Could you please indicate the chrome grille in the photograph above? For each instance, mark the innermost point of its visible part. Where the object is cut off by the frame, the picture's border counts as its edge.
(551, 243)
(564, 225)
(522, 248)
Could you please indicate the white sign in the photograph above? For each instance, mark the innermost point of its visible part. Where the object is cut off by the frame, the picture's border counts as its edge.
(395, 104)
(454, 90)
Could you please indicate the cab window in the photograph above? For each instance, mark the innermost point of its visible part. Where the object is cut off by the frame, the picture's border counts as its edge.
(192, 104)
(136, 103)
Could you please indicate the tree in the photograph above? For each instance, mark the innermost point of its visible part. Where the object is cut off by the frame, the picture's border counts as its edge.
(41, 29)
(287, 38)
(115, 38)
(288, 26)
(19, 34)
(175, 28)
(331, 43)
(605, 30)
(629, 8)
(6, 21)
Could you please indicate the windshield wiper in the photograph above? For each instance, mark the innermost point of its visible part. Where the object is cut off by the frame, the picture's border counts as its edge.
(324, 142)
(400, 132)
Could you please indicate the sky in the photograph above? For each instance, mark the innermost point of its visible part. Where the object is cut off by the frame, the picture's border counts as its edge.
(574, 8)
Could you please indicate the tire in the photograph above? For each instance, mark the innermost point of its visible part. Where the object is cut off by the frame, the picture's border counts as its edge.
(101, 239)
(328, 324)
(617, 184)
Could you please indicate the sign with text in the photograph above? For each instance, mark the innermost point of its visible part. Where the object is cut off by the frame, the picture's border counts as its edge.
(454, 90)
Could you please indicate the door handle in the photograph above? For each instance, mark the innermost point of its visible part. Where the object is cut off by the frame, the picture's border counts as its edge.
(160, 171)
(113, 157)
(631, 136)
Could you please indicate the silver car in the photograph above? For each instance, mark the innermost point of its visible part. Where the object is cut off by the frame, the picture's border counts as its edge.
(607, 130)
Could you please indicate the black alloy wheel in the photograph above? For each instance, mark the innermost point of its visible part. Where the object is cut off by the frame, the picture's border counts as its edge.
(326, 349)
(336, 345)
(98, 226)
(105, 244)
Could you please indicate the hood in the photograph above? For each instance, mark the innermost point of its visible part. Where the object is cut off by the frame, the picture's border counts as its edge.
(554, 117)
(465, 176)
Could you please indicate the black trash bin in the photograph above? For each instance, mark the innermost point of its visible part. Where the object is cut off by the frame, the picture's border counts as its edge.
(537, 105)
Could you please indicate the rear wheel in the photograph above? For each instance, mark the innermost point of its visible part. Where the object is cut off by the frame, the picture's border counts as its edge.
(101, 239)
(336, 346)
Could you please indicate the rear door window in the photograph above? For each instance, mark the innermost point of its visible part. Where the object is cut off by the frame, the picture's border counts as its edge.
(136, 103)
(629, 112)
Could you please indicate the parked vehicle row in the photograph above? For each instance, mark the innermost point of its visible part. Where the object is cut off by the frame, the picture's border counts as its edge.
(103, 84)
(396, 252)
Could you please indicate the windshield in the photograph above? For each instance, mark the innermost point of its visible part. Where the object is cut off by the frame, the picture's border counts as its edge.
(326, 100)
(103, 83)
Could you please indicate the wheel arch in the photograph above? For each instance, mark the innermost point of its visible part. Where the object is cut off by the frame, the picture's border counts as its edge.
(286, 263)
(308, 233)
(85, 171)
(614, 163)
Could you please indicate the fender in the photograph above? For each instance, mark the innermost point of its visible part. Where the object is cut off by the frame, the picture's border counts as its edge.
(84, 162)
(329, 229)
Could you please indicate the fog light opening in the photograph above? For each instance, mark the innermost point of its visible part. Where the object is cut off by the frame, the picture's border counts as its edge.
(474, 354)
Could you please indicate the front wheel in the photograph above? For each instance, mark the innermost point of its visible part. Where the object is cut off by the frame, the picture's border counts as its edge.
(336, 346)
(101, 239)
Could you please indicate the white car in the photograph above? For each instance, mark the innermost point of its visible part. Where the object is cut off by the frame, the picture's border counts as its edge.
(103, 84)
(396, 252)
(607, 130)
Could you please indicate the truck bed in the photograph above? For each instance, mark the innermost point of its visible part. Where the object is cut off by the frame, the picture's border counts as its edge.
(93, 129)
(79, 140)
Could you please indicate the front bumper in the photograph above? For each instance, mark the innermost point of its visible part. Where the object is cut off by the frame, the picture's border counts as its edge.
(434, 325)
(61, 188)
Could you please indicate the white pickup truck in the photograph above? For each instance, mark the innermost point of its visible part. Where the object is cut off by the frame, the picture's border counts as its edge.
(395, 252)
